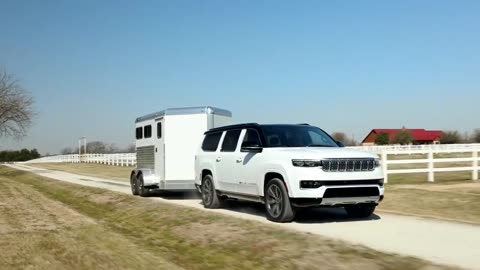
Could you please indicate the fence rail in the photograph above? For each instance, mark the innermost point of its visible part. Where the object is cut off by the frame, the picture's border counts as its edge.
(386, 154)
(122, 159)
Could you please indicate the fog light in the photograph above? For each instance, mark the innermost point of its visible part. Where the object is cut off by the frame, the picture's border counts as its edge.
(310, 184)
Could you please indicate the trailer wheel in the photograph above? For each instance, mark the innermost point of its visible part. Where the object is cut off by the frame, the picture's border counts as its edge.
(142, 191)
(210, 198)
(133, 184)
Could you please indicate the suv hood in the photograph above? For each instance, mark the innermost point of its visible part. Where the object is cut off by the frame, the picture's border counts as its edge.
(320, 152)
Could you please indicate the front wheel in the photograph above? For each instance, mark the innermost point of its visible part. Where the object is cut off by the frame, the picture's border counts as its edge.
(360, 210)
(277, 203)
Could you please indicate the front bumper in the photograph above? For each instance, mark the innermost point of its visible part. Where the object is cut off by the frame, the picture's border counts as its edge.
(335, 202)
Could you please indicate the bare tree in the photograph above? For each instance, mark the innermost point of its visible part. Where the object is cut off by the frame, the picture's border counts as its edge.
(67, 151)
(96, 147)
(450, 137)
(340, 137)
(476, 135)
(16, 108)
(343, 138)
(130, 148)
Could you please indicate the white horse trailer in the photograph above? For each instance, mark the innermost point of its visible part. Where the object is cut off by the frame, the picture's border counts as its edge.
(166, 143)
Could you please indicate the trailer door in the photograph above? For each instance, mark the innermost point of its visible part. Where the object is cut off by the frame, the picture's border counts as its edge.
(160, 149)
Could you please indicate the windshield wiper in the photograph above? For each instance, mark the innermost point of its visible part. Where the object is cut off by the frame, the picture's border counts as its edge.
(319, 145)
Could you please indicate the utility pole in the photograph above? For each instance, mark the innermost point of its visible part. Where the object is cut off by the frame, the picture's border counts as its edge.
(84, 139)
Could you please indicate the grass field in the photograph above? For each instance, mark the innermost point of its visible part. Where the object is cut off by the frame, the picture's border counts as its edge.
(46, 224)
(90, 169)
(454, 201)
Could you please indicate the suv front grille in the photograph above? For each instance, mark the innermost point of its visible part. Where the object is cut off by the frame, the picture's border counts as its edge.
(348, 164)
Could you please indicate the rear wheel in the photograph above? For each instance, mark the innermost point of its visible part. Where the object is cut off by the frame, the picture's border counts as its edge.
(133, 184)
(142, 191)
(360, 210)
(277, 203)
(210, 198)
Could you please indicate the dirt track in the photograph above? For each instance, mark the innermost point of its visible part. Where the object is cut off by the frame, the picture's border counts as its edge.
(438, 241)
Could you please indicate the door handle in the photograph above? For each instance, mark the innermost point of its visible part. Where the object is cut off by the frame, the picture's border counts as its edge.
(239, 160)
(218, 159)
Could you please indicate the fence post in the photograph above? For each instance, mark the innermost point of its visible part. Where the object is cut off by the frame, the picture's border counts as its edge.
(430, 167)
(384, 166)
(475, 164)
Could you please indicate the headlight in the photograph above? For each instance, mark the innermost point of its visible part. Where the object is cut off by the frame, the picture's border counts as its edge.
(377, 162)
(306, 163)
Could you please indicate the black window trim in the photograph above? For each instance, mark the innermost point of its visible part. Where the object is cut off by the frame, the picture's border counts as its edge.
(258, 134)
(145, 131)
(159, 134)
(137, 129)
(218, 142)
(238, 139)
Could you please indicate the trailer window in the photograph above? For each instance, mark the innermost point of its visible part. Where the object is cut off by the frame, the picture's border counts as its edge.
(139, 133)
(230, 141)
(147, 130)
(159, 130)
(210, 143)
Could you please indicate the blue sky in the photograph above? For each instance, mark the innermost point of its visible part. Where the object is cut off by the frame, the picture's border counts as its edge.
(93, 66)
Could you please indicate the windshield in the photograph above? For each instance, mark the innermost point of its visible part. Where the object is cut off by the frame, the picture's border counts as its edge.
(296, 136)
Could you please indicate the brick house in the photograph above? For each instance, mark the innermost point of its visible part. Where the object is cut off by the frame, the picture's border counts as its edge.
(419, 136)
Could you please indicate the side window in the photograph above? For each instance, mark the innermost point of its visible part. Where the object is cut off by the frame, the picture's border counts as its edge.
(210, 143)
(147, 130)
(316, 138)
(159, 130)
(230, 141)
(251, 138)
(139, 133)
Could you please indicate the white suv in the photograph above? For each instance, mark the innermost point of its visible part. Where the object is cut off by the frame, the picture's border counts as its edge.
(286, 167)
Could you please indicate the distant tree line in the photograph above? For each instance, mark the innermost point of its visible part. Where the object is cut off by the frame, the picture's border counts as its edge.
(22, 155)
(99, 147)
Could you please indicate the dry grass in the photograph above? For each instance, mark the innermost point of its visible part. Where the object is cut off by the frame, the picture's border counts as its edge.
(454, 201)
(90, 169)
(99, 229)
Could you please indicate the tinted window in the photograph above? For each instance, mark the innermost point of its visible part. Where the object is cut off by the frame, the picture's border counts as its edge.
(147, 131)
(296, 136)
(139, 133)
(159, 130)
(210, 143)
(251, 138)
(230, 141)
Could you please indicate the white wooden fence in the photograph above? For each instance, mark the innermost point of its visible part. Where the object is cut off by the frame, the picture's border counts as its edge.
(470, 153)
(431, 160)
(122, 159)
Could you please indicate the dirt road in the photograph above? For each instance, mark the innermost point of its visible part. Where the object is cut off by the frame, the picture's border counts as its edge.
(438, 241)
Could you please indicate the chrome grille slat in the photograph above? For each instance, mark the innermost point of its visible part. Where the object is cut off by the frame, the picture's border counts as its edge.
(348, 164)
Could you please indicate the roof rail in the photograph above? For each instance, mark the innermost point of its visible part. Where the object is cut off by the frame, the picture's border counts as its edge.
(237, 126)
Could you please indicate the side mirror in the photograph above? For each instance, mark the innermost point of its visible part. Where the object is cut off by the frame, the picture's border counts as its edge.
(340, 144)
(251, 147)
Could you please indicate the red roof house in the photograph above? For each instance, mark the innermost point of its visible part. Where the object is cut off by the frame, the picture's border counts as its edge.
(419, 136)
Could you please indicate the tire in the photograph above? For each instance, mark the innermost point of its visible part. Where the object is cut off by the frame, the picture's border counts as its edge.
(142, 191)
(133, 184)
(360, 210)
(210, 197)
(277, 203)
